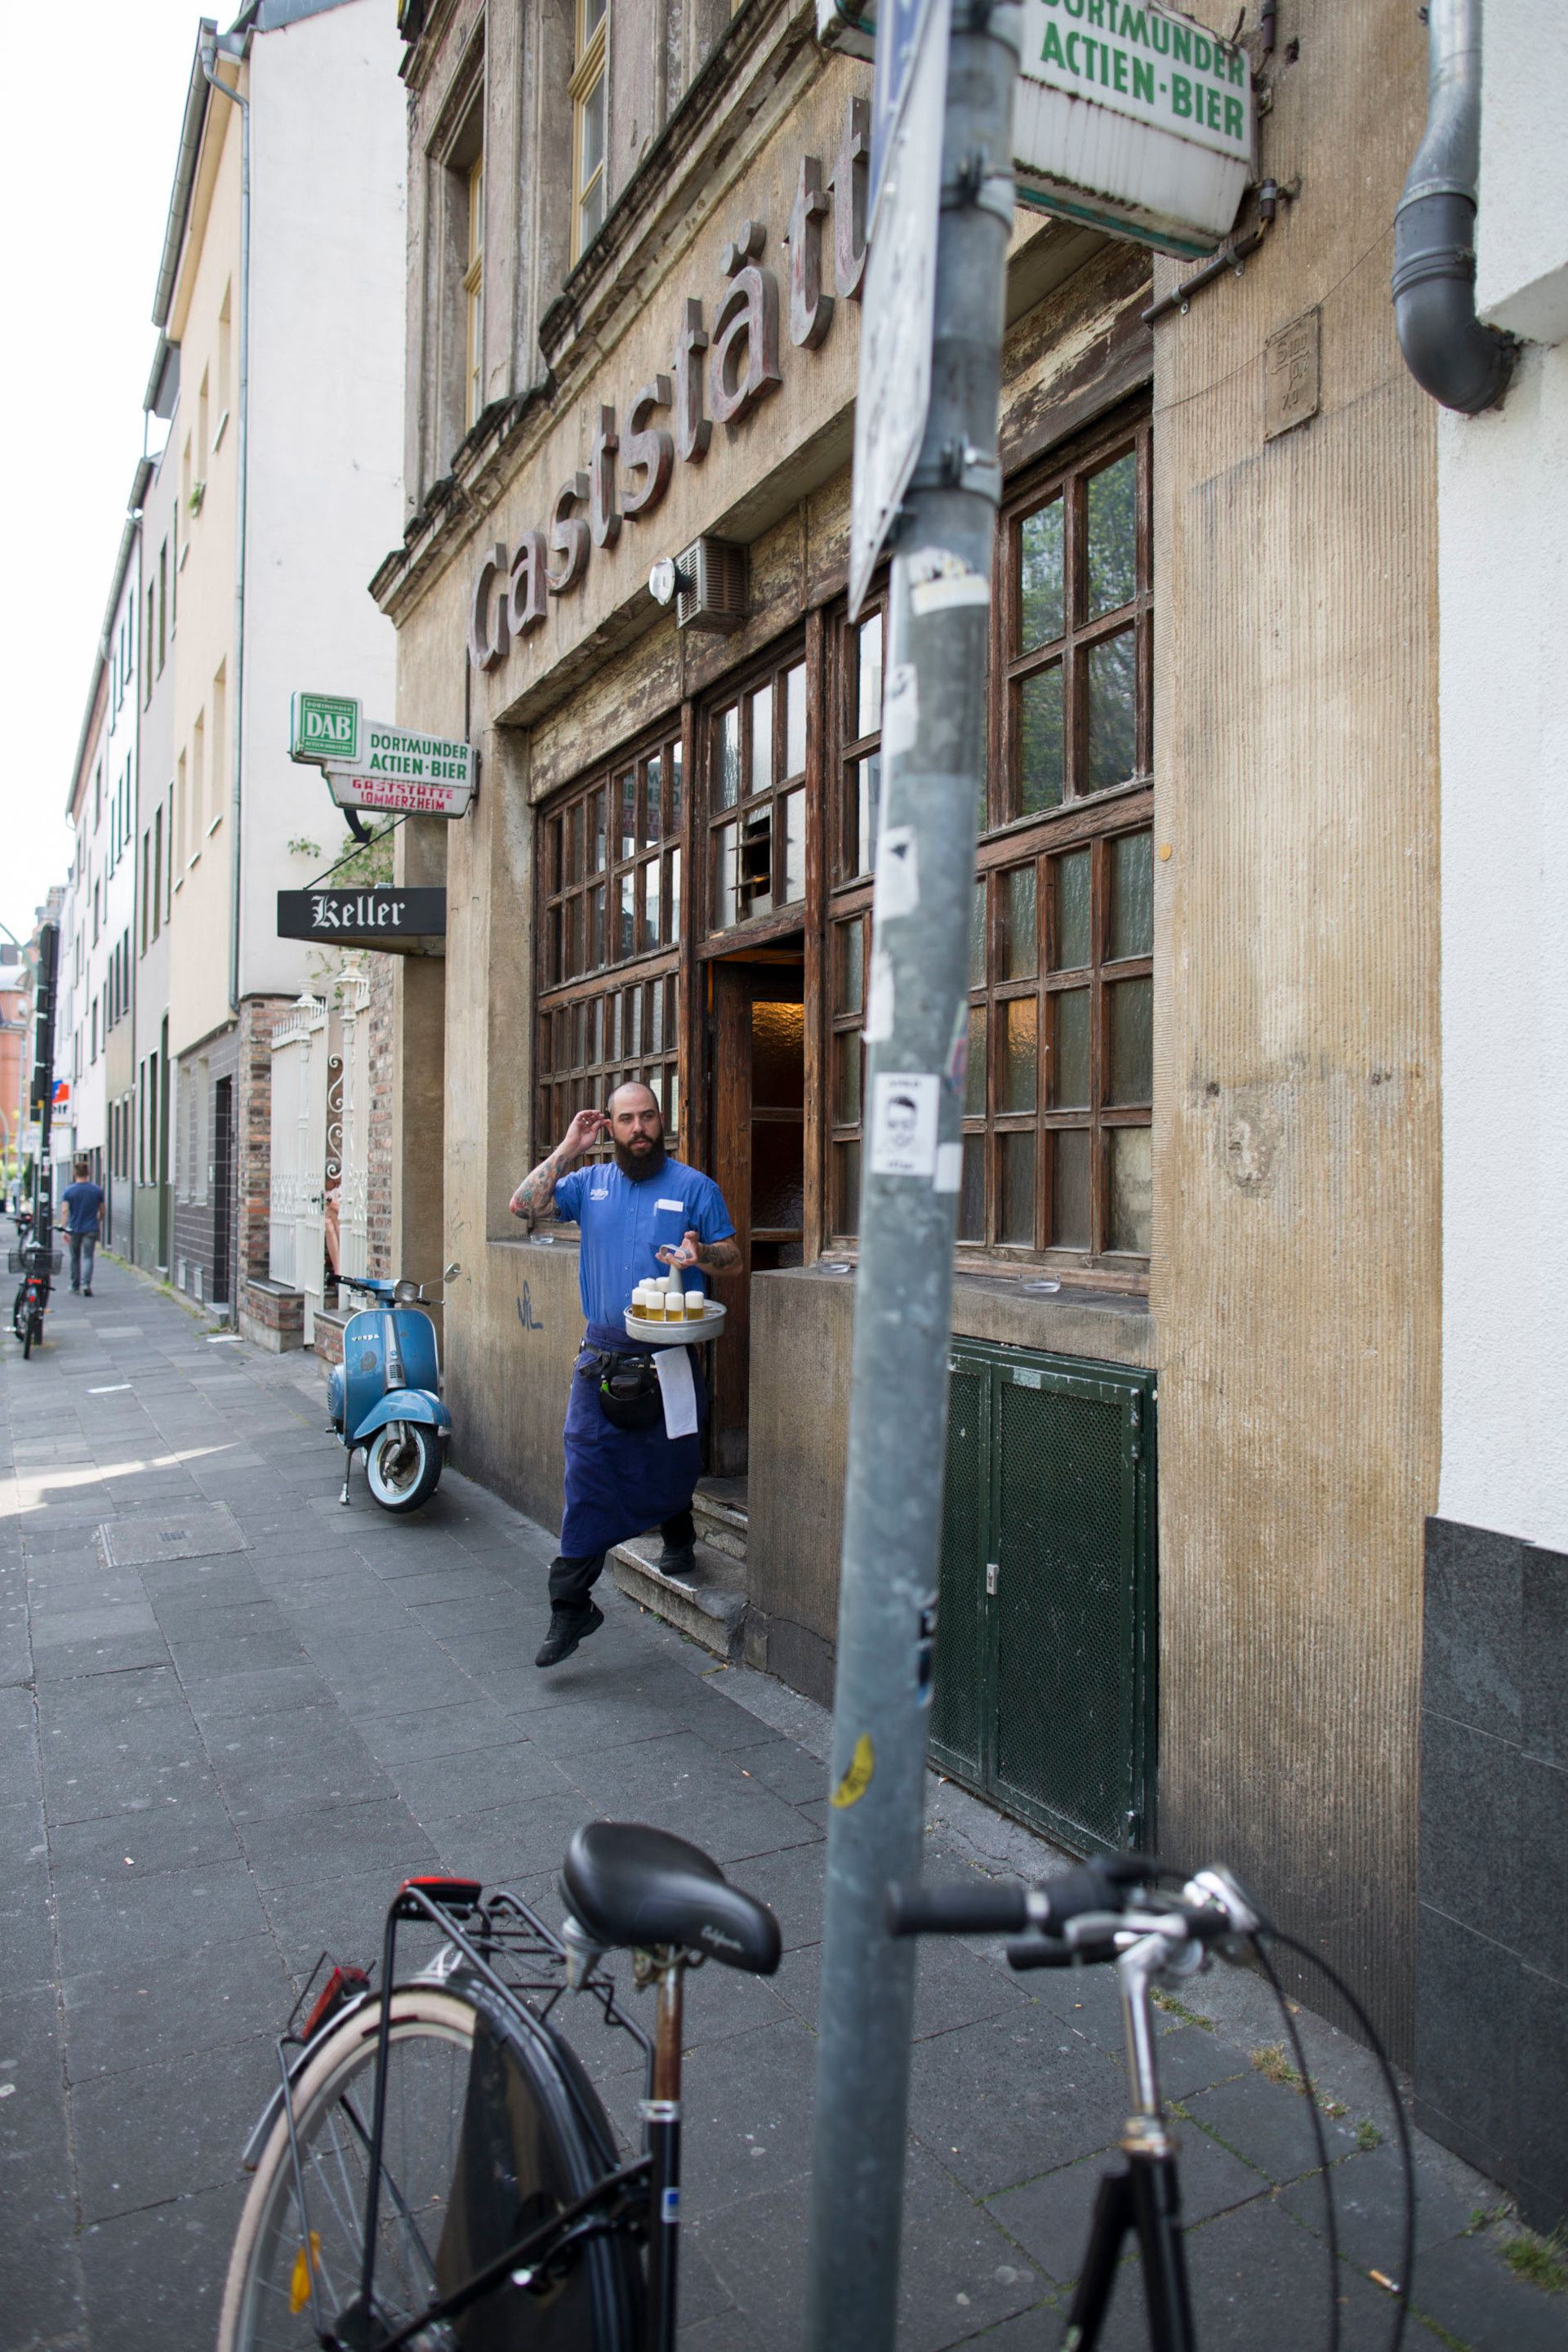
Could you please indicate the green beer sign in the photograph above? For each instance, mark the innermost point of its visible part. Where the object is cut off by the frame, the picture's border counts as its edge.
(324, 727)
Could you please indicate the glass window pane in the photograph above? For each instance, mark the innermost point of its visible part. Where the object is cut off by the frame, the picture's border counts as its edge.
(1113, 536)
(794, 845)
(674, 895)
(570, 964)
(634, 1020)
(596, 927)
(727, 757)
(1020, 1016)
(846, 1188)
(626, 803)
(761, 720)
(846, 1078)
(869, 675)
(1112, 712)
(1069, 1050)
(653, 792)
(574, 845)
(672, 1107)
(1072, 879)
(593, 130)
(972, 1198)
(1132, 1190)
(1040, 742)
(552, 950)
(627, 944)
(724, 876)
(794, 721)
(596, 1031)
(675, 787)
(974, 1079)
(656, 1017)
(977, 938)
(1041, 612)
(851, 938)
(651, 902)
(597, 843)
(1016, 1208)
(592, 12)
(590, 212)
(778, 1175)
(1020, 955)
(867, 795)
(1131, 1009)
(612, 1028)
(1071, 1224)
(1132, 895)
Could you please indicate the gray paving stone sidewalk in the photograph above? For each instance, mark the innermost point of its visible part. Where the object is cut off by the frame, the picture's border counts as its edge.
(221, 1753)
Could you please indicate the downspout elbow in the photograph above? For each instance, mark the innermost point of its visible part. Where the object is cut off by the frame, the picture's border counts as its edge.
(1460, 361)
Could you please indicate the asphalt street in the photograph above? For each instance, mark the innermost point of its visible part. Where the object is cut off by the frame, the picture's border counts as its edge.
(233, 1716)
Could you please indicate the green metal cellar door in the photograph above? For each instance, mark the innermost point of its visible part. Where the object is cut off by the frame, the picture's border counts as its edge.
(1043, 1693)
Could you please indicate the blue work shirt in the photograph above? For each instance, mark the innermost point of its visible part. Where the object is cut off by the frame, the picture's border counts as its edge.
(84, 1202)
(624, 1224)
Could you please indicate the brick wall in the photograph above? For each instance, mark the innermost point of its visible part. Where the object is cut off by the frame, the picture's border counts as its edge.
(258, 1015)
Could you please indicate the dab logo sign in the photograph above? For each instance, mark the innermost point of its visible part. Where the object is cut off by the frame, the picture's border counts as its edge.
(324, 727)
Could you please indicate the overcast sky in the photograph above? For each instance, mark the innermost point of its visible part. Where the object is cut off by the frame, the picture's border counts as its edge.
(95, 98)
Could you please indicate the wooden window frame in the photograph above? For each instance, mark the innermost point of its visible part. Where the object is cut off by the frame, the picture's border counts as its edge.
(590, 73)
(569, 1076)
(782, 913)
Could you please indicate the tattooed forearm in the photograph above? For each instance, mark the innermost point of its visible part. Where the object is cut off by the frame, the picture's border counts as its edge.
(719, 1257)
(535, 1196)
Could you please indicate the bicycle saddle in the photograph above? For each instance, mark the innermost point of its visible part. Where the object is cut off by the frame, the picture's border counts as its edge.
(627, 1885)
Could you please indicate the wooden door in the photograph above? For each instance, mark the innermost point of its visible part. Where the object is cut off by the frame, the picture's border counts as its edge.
(758, 1070)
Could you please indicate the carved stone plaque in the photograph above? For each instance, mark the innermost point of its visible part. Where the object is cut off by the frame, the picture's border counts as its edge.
(1292, 374)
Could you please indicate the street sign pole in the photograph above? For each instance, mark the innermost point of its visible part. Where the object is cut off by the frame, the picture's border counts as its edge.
(934, 766)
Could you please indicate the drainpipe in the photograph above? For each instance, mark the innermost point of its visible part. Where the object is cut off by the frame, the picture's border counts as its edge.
(208, 53)
(1461, 362)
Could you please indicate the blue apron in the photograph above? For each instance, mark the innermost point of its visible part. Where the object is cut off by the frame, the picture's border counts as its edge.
(621, 1482)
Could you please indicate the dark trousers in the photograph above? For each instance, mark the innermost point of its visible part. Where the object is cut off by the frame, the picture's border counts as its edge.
(572, 1580)
(83, 1247)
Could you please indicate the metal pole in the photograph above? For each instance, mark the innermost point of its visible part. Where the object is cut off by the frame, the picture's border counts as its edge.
(933, 771)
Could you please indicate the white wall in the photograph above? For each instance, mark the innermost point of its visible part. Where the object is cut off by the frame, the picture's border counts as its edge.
(1503, 585)
(330, 132)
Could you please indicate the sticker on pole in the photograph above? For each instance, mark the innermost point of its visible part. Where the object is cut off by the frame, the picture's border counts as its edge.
(858, 1779)
(904, 1123)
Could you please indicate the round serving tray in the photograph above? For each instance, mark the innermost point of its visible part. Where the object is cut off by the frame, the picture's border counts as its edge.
(676, 1335)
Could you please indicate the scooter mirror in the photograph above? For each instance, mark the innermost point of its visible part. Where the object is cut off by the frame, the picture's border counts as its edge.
(451, 1271)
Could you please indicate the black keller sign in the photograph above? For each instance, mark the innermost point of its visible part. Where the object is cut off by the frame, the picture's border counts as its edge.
(381, 916)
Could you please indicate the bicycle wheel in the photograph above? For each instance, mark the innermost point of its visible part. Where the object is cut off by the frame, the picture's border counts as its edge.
(491, 2126)
(35, 1330)
(402, 1464)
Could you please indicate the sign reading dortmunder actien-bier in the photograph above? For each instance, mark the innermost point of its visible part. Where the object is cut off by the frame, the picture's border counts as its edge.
(374, 767)
(1133, 119)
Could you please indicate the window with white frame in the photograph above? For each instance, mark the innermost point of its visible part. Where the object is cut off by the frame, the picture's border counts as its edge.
(590, 100)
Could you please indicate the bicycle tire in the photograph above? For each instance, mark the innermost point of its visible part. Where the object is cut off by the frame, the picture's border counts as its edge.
(34, 1330)
(510, 2103)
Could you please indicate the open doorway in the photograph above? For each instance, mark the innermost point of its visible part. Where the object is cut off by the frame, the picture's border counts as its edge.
(757, 1068)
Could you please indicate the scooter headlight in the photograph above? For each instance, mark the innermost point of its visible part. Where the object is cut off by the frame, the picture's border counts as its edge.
(404, 1293)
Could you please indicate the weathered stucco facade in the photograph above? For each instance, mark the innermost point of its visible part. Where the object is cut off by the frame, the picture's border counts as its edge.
(1284, 793)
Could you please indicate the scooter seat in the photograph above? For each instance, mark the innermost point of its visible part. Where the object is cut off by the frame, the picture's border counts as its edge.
(627, 1885)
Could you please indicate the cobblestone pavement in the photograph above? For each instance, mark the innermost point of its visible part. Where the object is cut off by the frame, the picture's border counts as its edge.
(222, 1751)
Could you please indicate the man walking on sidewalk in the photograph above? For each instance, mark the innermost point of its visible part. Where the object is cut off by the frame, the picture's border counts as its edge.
(83, 1202)
(626, 1471)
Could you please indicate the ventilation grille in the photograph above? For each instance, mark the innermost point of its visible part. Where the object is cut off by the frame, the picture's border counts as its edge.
(716, 598)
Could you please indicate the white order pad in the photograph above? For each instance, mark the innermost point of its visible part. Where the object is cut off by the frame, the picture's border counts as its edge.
(673, 1366)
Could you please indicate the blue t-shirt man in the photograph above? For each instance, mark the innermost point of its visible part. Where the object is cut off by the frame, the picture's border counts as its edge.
(83, 1205)
(639, 1214)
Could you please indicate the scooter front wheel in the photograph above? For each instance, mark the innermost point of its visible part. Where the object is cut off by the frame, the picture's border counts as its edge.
(402, 1465)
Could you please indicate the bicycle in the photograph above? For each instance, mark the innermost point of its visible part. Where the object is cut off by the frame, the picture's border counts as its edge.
(35, 1260)
(435, 2171)
(1108, 1911)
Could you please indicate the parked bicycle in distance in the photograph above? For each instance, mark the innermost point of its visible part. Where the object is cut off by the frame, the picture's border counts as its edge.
(436, 2149)
(35, 1260)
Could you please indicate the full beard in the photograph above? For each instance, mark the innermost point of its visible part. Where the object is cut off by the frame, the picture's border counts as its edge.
(640, 1165)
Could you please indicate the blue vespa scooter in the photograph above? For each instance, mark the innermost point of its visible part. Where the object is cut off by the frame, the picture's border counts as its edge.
(385, 1395)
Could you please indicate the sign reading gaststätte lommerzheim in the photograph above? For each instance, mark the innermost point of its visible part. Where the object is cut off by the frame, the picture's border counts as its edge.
(1133, 119)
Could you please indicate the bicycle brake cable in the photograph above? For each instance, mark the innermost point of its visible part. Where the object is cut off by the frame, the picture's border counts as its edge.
(1320, 2140)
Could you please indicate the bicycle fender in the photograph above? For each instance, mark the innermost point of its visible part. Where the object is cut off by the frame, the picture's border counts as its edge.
(404, 1404)
(250, 2155)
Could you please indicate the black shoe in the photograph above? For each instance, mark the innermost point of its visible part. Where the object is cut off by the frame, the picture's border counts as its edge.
(678, 1560)
(87, 1292)
(567, 1628)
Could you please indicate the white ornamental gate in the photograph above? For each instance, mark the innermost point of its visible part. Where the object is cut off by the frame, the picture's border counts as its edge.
(297, 1222)
(349, 1135)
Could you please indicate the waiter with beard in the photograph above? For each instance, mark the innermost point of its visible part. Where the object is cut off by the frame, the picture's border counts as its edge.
(639, 1213)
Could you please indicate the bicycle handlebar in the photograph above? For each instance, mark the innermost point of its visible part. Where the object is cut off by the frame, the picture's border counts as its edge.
(1005, 1906)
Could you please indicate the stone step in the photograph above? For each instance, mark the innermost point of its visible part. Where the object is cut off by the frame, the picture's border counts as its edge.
(722, 1517)
(709, 1605)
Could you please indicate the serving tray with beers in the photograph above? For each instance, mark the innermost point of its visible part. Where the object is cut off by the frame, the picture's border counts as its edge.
(649, 1318)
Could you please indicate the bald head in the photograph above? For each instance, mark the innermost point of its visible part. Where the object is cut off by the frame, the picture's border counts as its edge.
(637, 1129)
